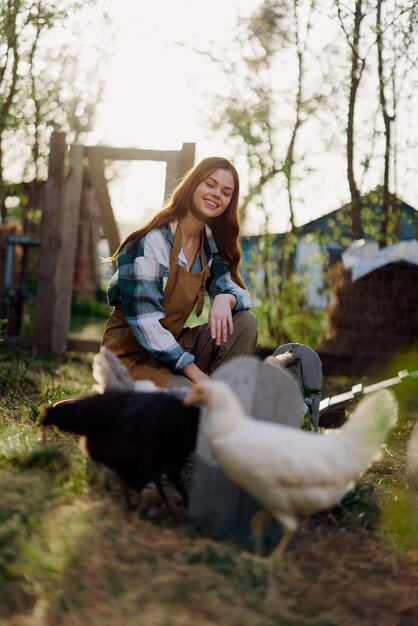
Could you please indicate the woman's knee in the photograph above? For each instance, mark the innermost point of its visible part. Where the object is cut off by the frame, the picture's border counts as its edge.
(247, 321)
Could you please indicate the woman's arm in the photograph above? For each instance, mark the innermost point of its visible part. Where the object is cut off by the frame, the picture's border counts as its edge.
(193, 373)
(139, 285)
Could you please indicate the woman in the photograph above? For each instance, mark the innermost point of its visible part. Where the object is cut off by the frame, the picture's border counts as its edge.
(163, 271)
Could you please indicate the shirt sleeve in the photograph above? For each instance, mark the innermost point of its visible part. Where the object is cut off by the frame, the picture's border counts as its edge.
(220, 281)
(141, 283)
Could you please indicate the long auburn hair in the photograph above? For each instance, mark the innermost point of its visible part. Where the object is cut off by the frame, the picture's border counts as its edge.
(225, 227)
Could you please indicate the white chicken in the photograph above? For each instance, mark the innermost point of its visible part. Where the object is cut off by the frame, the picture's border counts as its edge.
(111, 374)
(290, 472)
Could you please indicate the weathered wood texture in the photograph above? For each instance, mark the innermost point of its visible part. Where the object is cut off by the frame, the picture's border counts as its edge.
(96, 161)
(51, 229)
(87, 267)
(217, 506)
(307, 372)
(67, 254)
(177, 165)
(60, 219)
(178, 162)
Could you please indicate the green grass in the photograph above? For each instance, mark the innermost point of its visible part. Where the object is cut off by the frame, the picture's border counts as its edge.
(71, 553)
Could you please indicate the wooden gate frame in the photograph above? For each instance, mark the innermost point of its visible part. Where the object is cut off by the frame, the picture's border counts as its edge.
(60, 219)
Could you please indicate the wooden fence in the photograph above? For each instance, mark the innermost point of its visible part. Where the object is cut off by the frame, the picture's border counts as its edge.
(60, 220)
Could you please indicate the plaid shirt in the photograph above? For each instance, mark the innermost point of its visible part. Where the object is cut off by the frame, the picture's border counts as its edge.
(140, 280)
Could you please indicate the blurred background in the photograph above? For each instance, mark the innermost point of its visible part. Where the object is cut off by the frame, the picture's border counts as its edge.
(314, 102)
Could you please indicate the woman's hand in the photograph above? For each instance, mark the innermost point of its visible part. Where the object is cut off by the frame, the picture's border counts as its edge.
(220, 317)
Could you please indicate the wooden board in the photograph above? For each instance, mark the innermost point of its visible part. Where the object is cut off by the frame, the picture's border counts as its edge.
(110, 229)
(67, 256)
(217, 506)
(51, 230)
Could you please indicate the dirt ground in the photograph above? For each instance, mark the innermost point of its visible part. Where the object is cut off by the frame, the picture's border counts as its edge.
(71, 553)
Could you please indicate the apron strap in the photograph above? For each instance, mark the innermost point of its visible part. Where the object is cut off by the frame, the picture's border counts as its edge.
(173, 271)
(173, 261)
(202, 290)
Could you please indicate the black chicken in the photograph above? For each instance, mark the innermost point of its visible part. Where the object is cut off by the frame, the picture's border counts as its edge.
(139, 435)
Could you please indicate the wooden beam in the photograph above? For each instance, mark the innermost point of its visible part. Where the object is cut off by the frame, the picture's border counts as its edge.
(96, 161)
(132, 154)
(51, 233)
(67, 256)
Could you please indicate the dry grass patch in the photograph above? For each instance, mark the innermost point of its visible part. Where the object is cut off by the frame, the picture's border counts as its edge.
(72, 554)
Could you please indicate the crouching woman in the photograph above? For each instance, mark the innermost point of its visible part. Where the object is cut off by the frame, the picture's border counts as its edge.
(164, 270)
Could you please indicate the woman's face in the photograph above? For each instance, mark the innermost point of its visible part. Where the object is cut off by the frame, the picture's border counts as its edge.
(213, 195)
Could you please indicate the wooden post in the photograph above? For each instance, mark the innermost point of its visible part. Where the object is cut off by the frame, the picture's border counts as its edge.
(66, 259)
(187, 155)
(51, 233)
(110, 228)
(172, 174)
(217, 506)
(178, 163)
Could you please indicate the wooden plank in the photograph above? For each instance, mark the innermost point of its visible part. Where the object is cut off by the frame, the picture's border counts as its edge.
(67, 256)
(343, 400)
(217, 506)
(50, 236)
(132, 154)
(96, 161)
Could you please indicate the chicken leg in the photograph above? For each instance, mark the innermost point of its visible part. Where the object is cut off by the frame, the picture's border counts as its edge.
(259, 521)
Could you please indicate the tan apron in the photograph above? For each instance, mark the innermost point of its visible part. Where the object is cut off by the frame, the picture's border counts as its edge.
(183, 290)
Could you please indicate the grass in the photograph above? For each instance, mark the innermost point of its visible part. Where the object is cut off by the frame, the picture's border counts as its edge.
(72, 554)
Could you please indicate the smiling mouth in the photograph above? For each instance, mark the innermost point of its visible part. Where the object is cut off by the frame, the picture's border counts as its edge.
(211, 204)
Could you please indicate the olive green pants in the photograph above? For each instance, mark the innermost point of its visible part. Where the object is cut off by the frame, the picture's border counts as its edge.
(209, 356)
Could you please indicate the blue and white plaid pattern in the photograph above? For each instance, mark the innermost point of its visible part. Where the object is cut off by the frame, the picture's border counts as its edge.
(139, 283)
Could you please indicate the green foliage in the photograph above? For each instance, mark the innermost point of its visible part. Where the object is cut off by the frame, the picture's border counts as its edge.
(43, 87)
(3, 328)
(88, 309)
(400, 516)
(280, 297)
(265, 116)
(308, 394)
(356, 508)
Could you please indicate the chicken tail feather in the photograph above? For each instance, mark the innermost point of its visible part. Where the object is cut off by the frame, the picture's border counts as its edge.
(371, 420)
(110, 373)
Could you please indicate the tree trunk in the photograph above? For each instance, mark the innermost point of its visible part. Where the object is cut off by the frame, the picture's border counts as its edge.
(387, 120)
(357, 65)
